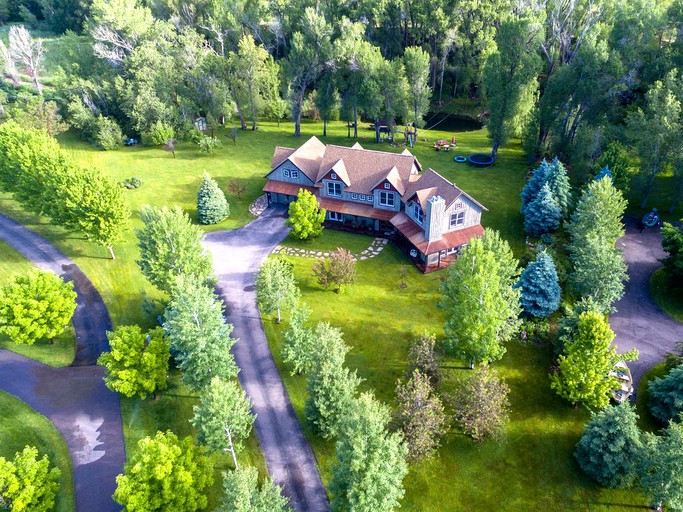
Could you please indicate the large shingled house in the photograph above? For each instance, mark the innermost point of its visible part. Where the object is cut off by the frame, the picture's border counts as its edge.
(383, 193)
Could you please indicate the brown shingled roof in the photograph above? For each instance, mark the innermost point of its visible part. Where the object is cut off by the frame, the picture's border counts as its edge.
(308, 157)
(436, 184)
(415, 234)
(281, 154)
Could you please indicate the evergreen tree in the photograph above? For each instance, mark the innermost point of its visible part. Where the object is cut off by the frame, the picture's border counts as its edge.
(137, 363)
(212, 207)
(170, 246)
(610, 446)
(672, 243)
(370, 467)
(28, 483)
(543, 214)
(330, 386)
(533, 186)
(241, 493)
(299, 341)
(305, 216)
(275, 286)
(666, 396)
(661, 468)
(558, 182)
(36, 306)
(540, 287)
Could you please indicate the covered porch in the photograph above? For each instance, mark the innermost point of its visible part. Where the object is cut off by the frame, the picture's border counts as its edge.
(357, 218)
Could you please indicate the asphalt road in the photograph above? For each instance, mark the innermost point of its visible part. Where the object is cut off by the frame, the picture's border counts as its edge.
(639, 322)
(74, 398)
(237, 255)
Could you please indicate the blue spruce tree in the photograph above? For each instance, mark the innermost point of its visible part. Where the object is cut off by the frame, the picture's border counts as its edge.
(605, 172)
(666, 396)
(539, 287)
(543, 214)
(535, 184)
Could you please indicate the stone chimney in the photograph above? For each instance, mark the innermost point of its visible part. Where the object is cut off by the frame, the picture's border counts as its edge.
(434, 217)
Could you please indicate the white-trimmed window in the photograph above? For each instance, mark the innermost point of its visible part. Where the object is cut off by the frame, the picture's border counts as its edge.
(418, 213)
(333, 189)
(457, 219)
(335, 216)
(386, 199)
(458, 205)
(386, 185)
(333, 176)
(361, 197)
(371, 199)
(286, 173)
(354, 196)
(294, 174)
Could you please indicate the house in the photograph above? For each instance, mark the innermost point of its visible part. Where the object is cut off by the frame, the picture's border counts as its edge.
(382, 193)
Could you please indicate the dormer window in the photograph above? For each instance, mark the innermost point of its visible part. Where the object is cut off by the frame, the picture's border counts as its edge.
(418, 213)
(386, 199)
(386, 185)
(333, 176)
(334, 189)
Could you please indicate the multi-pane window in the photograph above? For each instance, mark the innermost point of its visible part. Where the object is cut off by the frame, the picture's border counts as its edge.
(286, 173)
(457, 219)
(386, 185)
(354, 196)
(418, 213)
(371, 199)
(333, 189)
(386, 198)
(294, 174)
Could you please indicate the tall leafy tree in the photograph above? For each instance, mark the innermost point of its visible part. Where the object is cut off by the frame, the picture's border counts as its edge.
(241, 493)
(416, 62)
(598, 212)
(509, 78)
(666, 396)
(137, 363)
(36, 306)
(299, 340)
(540, 287)
(610, 446)
(330, 386)
(200, 337)
(584, 368)
(672, 243)
(165, 473)
(223, 417)
(371, 462)
(425, 357)
(480, 302)
(170, 246)
(305, 216)
(275, 286)
(27, 482)
(661, 473)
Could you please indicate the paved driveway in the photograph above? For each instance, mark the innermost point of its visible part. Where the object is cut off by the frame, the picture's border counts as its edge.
(237, 255)
(74, 398)
(639, 322)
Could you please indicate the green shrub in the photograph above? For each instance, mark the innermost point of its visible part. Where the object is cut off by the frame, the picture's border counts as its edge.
(159, 134)
(107, 134)
(209, 145)
(132, 183)
(212, 207)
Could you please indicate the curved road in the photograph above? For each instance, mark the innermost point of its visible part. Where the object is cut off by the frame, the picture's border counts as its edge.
(639, 322)
(74, 398)
(237, 255)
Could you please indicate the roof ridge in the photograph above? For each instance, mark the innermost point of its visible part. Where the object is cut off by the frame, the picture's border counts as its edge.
(372, 150)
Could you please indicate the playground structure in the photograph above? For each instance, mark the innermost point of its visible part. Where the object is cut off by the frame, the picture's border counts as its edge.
(480, 160)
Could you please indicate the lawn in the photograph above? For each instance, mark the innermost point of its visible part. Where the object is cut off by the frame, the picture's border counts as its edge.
(532, 470)
(21, 426)
(331, 240)
(666, 295)
(60, 351)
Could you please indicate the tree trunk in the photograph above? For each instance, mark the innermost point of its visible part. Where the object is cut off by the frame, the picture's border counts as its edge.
(494, 149)
(279, 320)
(324, 127)
(37, 83)
(651, 181)
(355, 121)
(378, 139)
(243, 123)
(231, 446)
(111, 251)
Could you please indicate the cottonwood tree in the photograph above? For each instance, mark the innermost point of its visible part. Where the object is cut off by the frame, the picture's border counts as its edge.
(371, 462)
(275, 286)
(584, 367)
(299, 340)
(36, 306)
(165, 473)
(660, 471)
(137, 362)
(330, 386)
(241, 493)
(212, 207)
(666, 396)
(27, 52)
(170, 246)
(481, 304)
(200, 337)
(420, 416)
(27, 482)
(480, 405)
(305, 216)
(610, 446)
(539, 287)
(223, 418)
(338, 270)
(248, 66)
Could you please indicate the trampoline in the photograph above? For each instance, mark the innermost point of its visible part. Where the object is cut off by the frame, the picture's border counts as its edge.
(480, 160)
(460, 159)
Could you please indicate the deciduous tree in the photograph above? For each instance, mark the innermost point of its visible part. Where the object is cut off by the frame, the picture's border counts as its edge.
(28, 483)
(672, 243)
(275, 286)
(338, 270)
(416, 62)
(241, 493)
(305, 216)
(299, 340)
(661, 468)
(425, 357)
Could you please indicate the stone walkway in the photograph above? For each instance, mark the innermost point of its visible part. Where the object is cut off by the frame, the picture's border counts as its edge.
(374, 249)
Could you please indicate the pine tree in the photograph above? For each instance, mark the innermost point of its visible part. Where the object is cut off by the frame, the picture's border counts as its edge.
(666, 396)
(558, 181)
(543, 214)
(212, 207)
(540, 287)
(539, 177)
(610, 446)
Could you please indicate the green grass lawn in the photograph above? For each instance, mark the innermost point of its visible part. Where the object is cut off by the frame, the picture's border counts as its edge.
(666, 295)
(21, 426)
(533, 469)
(332, 240)
(58, 352)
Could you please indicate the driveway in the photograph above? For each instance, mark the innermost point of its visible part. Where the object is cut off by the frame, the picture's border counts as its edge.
(237, 255)
(74, 398)
(639, 322)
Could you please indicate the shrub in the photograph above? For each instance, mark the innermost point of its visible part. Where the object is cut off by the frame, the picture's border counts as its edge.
(212, 207)
(132, 183)
(666, 395)
(107, 135)
(209, 145)
(159, 134)
(339, 269)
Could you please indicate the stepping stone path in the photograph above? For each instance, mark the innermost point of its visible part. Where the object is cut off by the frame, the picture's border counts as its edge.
(259, 206)
(373, 250)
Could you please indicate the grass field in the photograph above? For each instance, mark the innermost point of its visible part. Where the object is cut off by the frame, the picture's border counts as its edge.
(59, 352)
(21, 426)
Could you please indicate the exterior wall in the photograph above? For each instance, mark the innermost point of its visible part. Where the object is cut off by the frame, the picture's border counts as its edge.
(278, 175)
(410, 212)
(397, 201)
(434, 218)
(347, 196)
(472, 214)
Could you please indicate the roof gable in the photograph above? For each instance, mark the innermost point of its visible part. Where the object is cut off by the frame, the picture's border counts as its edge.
(339, 169)
(432, 183)
(308, 157)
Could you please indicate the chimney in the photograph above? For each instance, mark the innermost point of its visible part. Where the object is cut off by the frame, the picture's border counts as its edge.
(436, 209)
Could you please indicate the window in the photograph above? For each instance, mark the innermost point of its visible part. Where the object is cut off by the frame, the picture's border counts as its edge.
(457, 219)
(333, 189)
(371, 199)
(386, 185)
(294, 174)
(333, 176)
(361, 197)
(386, 199)
(418, 213)
(334, 216)
(354, 196)
(458, 205)
(286, 173)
